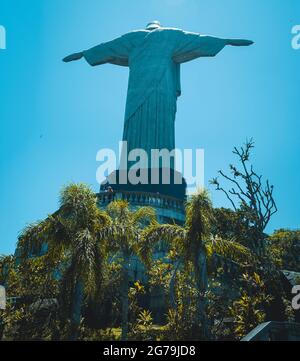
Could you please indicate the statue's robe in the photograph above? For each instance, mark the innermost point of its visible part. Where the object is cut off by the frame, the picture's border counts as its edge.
(154, 59)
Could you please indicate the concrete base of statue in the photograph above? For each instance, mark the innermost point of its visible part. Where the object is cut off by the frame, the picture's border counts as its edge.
(168, 199)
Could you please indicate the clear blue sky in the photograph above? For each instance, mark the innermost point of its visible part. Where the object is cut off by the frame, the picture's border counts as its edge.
(54, 117)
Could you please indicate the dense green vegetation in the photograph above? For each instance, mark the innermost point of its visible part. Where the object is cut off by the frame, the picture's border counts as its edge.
(219, 277)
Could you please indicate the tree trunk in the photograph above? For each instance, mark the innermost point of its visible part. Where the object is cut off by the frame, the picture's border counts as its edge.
(1, 328)
(76, 309)
(125, 301)
(202, 284)
(173, 284)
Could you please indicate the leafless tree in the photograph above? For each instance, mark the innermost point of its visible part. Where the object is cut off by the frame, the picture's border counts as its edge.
(248, 193)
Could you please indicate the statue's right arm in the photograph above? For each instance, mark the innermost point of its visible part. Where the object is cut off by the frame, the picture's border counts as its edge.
(73, 57)
(239, 42)
(114, 52)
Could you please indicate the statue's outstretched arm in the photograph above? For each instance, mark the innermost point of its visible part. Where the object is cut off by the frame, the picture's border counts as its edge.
(114, 52)
(239, 42)
(73, 57)
(190, 46)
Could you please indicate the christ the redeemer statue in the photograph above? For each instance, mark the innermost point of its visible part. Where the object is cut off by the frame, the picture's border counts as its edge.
(153, 56)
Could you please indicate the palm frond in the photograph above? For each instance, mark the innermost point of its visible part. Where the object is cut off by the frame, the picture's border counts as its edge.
(143, 215)
(32, 238)
(199, 212)
(86, 260)
(170, 233)
(119, 210)
(231, 250)
(119, 235)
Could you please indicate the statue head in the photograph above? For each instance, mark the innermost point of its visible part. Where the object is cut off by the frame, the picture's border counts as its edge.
(153, 25)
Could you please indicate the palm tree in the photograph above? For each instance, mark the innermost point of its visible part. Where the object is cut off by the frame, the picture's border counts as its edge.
(71, 234)
(192, 242)
(123, 235)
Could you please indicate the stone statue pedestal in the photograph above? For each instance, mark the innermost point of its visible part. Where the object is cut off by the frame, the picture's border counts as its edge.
(167, 199)
(163, 181)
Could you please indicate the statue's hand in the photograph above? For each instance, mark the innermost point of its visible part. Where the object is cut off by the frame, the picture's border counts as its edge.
(73, 57)
(239, 42)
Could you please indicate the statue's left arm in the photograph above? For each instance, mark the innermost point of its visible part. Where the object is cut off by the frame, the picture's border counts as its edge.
(190, 46)
(113, 52)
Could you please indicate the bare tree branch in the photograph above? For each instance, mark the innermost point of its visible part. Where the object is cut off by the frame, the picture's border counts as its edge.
(248, 190)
